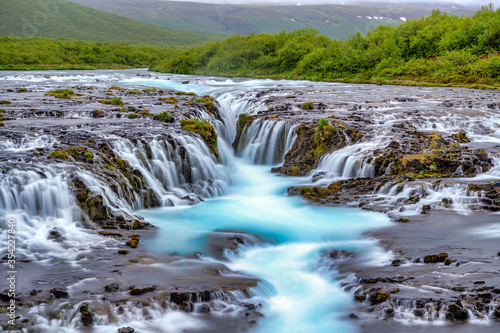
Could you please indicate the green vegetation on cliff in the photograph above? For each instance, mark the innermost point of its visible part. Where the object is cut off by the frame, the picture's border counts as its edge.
(439, 49)
(61, 18)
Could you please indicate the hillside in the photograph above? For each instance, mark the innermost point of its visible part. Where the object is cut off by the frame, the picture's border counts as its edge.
(438, 49)
(334, 21)
(63, 19)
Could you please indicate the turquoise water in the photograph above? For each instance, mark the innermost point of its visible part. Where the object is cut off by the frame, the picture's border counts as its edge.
(299, 292)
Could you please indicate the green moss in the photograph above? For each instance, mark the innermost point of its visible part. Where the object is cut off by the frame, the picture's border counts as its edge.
(60, 154)
(5, 102)
(132, 115)
(208, 101)
(135, 92)
(22, 90)
(164, 117)
(205, 129)
(243, 121)
(150, 90)
(307, 106)
(62, 93)
(2, 124)
(169, 100)
(2, 111)
(114, 101)
(433, 258)
(88, 156)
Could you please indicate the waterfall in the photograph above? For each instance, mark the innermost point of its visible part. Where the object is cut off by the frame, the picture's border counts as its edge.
(266, 142)
(348, 162)
(45, 212)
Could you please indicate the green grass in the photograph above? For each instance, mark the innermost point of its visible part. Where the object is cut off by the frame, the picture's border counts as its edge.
(18, 53)
(437, 50)
(61, 18)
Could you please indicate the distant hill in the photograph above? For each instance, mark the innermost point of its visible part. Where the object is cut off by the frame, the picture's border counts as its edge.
(63, 19)
(336, 21)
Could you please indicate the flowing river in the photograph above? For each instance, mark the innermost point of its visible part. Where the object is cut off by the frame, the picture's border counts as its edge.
(299, 288)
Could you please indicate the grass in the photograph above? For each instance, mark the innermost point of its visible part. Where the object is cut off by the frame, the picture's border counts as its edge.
(61, 18)
(164, 117)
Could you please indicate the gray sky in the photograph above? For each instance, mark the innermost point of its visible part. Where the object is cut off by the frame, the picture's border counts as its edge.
(474, 3)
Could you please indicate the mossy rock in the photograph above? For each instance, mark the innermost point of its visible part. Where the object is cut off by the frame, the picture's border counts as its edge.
(434, 258)
(205, 129)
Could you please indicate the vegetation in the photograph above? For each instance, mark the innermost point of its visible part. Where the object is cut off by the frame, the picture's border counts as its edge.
(205, 129)
(436, 50)
(132, 115)
(39, 53)
(61, 18)
(62, 93)
(113, 101)
(164, 117)
(60, 154)
(243, 121)
(5, 102)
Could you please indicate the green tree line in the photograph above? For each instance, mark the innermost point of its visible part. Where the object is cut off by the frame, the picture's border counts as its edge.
(438, 49)
(44, 53)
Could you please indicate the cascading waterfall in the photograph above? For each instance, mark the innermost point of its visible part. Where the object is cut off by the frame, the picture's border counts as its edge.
(348, 162)
(46, 214)
(266, 142)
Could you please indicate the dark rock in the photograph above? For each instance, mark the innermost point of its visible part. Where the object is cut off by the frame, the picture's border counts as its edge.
(447, 201)
(139, 291)
(59, 293)
(343, 254)
(433, 258)
(425, 209)
(127, 329)
(419, 312)
(204, 308)
(87, 318)
(179, 298)
(122, 251)
(352, 316)
(456, 313)
(497, 312)
(112, 288)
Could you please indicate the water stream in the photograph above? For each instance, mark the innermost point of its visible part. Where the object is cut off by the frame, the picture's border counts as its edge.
(299, 290)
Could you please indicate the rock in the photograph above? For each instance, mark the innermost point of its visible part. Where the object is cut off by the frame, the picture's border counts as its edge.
(139, 291)
(404, 220)
(419, 312)
(343, 254)
(447, 201)
(237, 238)
(389, 313)
(112, 288)
(179, 298)
(497, 312)
(433, 258)
(381, 295)
(425, 209)
(56, 234)
(456, 313)
(59, 293)
(352, 316)
(122, 251)
(204, 308)
(127, 329)
(87, 318)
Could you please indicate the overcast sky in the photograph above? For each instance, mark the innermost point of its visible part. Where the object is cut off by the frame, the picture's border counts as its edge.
(474, 3)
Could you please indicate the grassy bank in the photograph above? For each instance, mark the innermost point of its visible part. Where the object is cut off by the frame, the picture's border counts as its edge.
(436, 50)
(18, 53)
